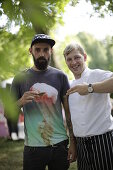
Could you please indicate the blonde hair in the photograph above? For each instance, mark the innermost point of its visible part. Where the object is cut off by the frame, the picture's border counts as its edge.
(71, 47)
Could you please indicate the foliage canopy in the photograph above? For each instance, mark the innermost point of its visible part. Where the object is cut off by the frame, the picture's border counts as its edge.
(41, 15)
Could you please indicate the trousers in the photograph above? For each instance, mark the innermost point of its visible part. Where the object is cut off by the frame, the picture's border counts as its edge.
(54, 156)
(95, 152)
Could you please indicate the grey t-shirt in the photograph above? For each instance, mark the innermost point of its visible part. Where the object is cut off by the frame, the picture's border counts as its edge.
(43, 122)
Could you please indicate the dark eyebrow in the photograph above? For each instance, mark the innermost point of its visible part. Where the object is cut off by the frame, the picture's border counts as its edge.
(37, 48)
(46, 49)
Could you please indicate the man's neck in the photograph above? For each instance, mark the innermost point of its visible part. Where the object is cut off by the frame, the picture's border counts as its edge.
(35, 69)
(77, 76)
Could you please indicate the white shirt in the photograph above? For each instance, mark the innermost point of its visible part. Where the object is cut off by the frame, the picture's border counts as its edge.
(91, 114)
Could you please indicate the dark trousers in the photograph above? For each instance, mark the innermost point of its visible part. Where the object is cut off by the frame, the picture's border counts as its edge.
(96, 152)
(55, 157)
(12, 127)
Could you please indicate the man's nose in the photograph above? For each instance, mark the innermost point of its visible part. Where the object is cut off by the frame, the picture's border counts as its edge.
(41, 53)
(74, 61)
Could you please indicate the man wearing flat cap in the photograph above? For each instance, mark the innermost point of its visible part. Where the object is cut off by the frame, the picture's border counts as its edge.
(41, 91)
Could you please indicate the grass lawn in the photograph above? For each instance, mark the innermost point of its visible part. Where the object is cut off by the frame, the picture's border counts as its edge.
(11, 155)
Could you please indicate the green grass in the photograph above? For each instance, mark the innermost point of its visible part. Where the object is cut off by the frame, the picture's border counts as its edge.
(11, 155)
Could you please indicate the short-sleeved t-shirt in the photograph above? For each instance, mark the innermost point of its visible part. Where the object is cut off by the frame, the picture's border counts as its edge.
(43, 123)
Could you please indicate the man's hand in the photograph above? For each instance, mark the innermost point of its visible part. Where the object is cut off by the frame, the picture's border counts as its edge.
(72, 153)
(82, 89)
(27, 97)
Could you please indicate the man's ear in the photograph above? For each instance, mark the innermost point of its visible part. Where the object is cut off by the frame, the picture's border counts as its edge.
(85, 56)
(30, 50)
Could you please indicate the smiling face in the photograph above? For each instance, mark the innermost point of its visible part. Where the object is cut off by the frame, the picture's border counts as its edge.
(76, 62)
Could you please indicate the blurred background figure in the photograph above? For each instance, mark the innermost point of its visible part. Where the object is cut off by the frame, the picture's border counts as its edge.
(12, 126)
(8, 128)
(3, 122)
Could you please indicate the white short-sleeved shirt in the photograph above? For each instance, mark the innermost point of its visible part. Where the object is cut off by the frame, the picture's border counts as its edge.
(91, 114)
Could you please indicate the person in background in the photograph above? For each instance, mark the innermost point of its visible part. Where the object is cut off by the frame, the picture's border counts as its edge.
(3, 122)
(41, 91)
(12, 125)
(90, 108)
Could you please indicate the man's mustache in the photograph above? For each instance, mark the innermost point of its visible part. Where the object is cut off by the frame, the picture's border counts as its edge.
(41, 58)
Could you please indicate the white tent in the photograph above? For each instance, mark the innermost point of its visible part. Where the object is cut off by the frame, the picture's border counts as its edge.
(8, 81)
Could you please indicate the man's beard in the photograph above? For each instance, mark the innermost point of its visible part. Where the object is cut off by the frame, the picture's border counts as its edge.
(41, 63)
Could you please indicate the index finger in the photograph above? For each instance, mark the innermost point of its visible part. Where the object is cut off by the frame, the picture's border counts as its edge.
(71, 89)
(34, 92)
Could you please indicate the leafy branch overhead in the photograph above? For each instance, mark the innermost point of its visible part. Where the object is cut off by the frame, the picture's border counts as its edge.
(41, 15)
(102, 6)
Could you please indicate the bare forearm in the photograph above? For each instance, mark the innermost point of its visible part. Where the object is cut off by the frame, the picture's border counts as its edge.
(68, 117)
(69, 125)
(104, 87)
(19, 103)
